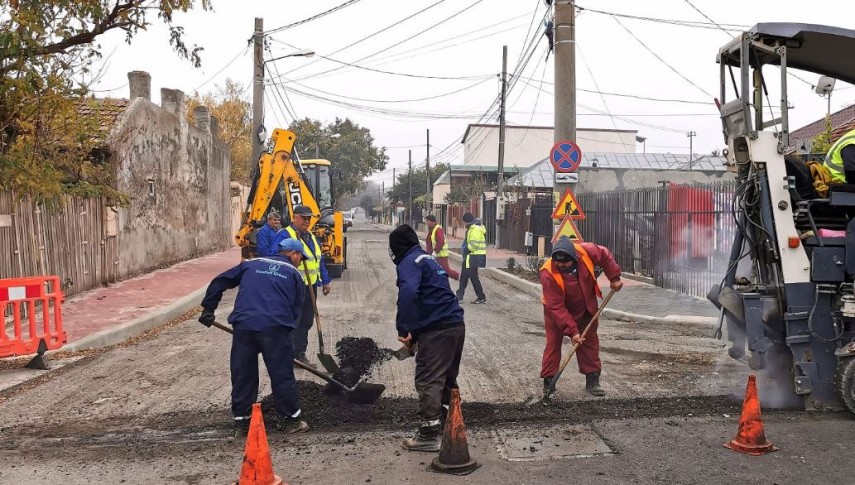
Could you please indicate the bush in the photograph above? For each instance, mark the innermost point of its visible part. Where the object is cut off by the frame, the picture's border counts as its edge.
(511, 264)
(533, 263)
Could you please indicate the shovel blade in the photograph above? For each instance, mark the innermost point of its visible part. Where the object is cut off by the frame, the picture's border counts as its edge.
(366, 393)
(328, 363)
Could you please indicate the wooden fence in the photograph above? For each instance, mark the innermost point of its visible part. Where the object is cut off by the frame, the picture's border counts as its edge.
(71, 240)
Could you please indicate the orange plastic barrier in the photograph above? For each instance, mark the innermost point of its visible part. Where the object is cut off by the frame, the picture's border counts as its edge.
(32, 311)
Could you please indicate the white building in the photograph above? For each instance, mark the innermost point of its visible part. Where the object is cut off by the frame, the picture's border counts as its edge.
(527, 145)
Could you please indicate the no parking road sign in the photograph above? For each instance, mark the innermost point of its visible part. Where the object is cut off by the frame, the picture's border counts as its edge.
(565, 156)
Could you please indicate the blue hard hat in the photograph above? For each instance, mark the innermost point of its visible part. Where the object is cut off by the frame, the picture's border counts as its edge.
(292, 244)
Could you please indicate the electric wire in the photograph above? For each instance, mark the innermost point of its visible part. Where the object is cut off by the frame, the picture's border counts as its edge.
(425, 98)
(630, 32)
(313, 17)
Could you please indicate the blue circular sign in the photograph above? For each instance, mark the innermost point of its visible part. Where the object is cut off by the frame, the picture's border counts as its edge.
(565, 156)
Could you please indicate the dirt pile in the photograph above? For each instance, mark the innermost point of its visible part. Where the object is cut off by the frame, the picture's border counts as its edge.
(357, 357)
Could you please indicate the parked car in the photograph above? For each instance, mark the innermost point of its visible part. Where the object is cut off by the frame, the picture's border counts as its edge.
(348, 220)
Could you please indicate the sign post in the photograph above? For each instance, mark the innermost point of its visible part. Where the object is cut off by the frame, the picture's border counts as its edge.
(565, 158)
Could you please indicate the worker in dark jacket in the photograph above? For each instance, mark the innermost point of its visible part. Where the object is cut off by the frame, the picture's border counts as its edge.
(318, 274)
(428, 314)
(264, 244)
(570, 292)
(266, 312)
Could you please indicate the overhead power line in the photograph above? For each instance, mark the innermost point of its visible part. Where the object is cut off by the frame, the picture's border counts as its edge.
(313, 17)
(425, 98)
(630, 32)
(682, 23)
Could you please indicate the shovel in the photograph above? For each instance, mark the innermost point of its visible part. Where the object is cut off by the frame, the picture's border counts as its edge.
(405, 352)
(361, 393)
(325, 359)
(545, 399)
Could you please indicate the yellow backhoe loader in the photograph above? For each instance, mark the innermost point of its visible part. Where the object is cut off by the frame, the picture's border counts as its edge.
(282, 181)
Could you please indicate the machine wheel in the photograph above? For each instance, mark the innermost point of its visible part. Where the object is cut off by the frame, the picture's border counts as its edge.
(344, 253)
(335, 270)
(845, 381)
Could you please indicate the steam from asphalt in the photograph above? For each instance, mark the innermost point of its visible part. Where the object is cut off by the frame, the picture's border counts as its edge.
(774, 381)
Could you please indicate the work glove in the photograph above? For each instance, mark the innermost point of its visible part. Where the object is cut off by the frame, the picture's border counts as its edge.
(207, 318)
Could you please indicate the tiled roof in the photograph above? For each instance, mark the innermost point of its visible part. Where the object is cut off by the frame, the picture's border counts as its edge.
(846, 116)
(842, 130)
(540, 175)
(107, 110)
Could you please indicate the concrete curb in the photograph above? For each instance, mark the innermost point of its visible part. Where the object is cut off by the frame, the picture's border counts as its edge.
(534, 290)
(136, 327)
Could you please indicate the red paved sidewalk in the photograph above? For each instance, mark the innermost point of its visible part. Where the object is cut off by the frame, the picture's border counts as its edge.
(91, 312)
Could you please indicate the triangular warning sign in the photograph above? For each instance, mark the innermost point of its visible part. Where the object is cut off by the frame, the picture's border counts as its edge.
(567, 228)
(568, 206)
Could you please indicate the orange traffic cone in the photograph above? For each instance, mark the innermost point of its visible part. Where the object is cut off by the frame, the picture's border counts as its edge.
(751, 438)
(454, 452)
(257, 468)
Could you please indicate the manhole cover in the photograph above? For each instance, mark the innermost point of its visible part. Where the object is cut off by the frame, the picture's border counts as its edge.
(551, 444)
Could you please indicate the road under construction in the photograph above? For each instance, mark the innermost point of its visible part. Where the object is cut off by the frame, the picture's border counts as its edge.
(155, 410)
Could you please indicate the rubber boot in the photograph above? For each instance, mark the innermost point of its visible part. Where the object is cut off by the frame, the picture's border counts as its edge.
(428, 437)
(592, 384)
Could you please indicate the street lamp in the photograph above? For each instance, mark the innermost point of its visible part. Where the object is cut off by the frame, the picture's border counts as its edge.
(317, 151)
(259, 134)
(643, 141)
(299, 53)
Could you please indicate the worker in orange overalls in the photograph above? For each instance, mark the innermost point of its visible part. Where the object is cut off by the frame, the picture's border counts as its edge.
(570, 293)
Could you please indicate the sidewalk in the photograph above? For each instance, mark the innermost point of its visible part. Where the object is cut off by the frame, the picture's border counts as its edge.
(110, 315)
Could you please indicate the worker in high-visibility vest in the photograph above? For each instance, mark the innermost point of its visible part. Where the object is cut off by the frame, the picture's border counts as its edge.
(435, 243)
(570, 293)
(840, 160)
(474, 257)
(299, 229)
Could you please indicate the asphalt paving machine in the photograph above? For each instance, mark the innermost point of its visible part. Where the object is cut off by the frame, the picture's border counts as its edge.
(788, 297)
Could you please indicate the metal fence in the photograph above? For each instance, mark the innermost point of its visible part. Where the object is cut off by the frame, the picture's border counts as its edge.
(679, 235)
(69, 240)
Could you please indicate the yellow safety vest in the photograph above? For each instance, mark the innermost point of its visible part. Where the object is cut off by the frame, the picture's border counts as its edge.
(314, 262)
(442, 253)
(476, 241)
(834, 159)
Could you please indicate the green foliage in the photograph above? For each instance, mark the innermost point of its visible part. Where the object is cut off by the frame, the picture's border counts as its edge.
(401, 191)
(511, 264)
(234, 115)
(822, 141)
(352, 154)
(533, 263)
(49, 128)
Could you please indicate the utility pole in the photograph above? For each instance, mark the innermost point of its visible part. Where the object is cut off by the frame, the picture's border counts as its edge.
(501, 178)
(410, 192)
(428, 194)
(565, 70)
(691, 136)
(257, 88)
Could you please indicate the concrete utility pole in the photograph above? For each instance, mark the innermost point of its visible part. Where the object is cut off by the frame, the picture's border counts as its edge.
(410, 190)
(501, 175)
(565, 79)
(565, 70)
(691, 135)
(428, 194)
(257, 88)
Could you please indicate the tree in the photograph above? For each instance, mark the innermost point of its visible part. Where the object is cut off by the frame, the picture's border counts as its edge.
(822, 142)
(234, 114)
(352, 154)
(401, 191)
(48, 124)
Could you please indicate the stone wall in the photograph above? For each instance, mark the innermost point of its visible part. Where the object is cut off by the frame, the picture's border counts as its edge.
(177, 177)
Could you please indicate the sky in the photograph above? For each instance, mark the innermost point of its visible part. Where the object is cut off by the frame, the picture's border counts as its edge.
(441, 60)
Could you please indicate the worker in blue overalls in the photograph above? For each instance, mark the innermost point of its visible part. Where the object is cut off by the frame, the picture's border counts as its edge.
(266, 312)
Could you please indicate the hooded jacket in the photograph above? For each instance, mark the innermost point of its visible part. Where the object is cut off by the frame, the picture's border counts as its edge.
(425, 299)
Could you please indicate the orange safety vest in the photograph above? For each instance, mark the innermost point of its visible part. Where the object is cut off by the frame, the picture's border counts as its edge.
(586, 260)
